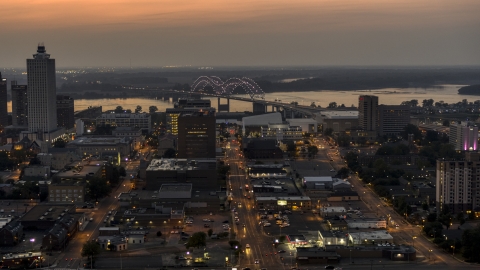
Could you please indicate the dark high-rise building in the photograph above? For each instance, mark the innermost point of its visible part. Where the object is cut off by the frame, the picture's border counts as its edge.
(392, 119)
(196, 135)
(367, 112)
(19, 104)
(65, 112)
(42, 92)
(3, 103)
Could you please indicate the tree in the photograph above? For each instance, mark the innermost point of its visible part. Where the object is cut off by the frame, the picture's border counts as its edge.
(198, 239)
(425, 206)
(291, 146)
(138, 109)
(118, 109)
(210, 232)
(233, 243)
(121, 171)
(446, 123)
(471, 244)
(313, 150)
(332, 105)
(159, 233)
(97, 188)
(90, 249)
(60, 143)
(411, 129)
(169, 153)
(152, 109)
(427, 103)
(313, 104)
(328, 132)
(343, 172)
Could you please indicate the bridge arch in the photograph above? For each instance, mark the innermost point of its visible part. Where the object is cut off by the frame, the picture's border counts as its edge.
(226, 88)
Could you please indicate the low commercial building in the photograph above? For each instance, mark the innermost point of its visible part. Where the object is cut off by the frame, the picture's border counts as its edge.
(343, 196)
(44, 217)
(19, 260)
(333, 210)
(367, 223)
(316, 256)
(113, 242)
(252, 124)
(11, 234)
(370, 238)
(131, 132)
(37, 171)
(102, 146)
(281, 203)
(281, 131)
(165, 142)
(329, 238)
(201, 173)
(134, 120)
(266, 171)
(67, 192)
(108, 231)
(394, 253)
(58, 158)
(81, 171)
(338, 121)
(318, 182)
(308, 125)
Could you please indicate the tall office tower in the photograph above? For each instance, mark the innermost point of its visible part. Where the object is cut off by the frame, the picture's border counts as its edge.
(392, 119)
(3, 103)
(42, 92)
(458, 184)
(19, 104)
(463, 136)
(172, 115)
(65, 112)
(196, 135)
(367, 112)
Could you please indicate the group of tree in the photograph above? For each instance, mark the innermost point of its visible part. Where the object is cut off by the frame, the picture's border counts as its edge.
(97, 188)
(197, 240)
(223, 170)
(90, 249)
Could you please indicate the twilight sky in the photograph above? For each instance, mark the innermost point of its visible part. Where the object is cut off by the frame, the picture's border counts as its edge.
(242, 32)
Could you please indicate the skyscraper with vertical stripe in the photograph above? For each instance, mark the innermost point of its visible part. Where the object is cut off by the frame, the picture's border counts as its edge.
(42, 89)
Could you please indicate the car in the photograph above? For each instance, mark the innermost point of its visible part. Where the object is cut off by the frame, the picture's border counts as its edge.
(91, 219)
(182, 258)
(244, 225)
(105, 221)
(267, 225)
(205, 220)
(332, 170)
(281, 251)
(329, 267)
(206, 225)
(226, 221)
(257, 261)
(247, 245)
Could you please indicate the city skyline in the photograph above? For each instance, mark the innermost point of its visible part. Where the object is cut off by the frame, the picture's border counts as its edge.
(247, 33)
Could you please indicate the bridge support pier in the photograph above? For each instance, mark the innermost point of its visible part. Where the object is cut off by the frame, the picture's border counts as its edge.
(259, 108)
(224, 107)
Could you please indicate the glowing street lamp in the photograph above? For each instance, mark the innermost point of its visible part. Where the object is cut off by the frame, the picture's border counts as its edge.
(32, 241)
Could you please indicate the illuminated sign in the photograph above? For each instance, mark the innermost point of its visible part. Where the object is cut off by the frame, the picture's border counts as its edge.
(282, 203)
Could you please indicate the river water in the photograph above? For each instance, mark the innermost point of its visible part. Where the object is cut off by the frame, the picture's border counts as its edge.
(388, 96)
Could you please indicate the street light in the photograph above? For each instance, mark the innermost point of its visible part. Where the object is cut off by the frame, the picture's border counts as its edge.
(430, 254)
(453, 253)
(32, 241)
(413, 242)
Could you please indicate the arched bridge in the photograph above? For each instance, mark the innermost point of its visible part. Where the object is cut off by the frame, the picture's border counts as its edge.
(226, 88)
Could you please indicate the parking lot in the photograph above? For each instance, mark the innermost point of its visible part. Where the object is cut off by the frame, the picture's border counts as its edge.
(298, 222)
(215, 223)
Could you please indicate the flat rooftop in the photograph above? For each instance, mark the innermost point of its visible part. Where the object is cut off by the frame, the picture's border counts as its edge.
(318, 179)
(339, 114)
(48, 212)
(175, 164)
(97, 141)
(381, 234)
